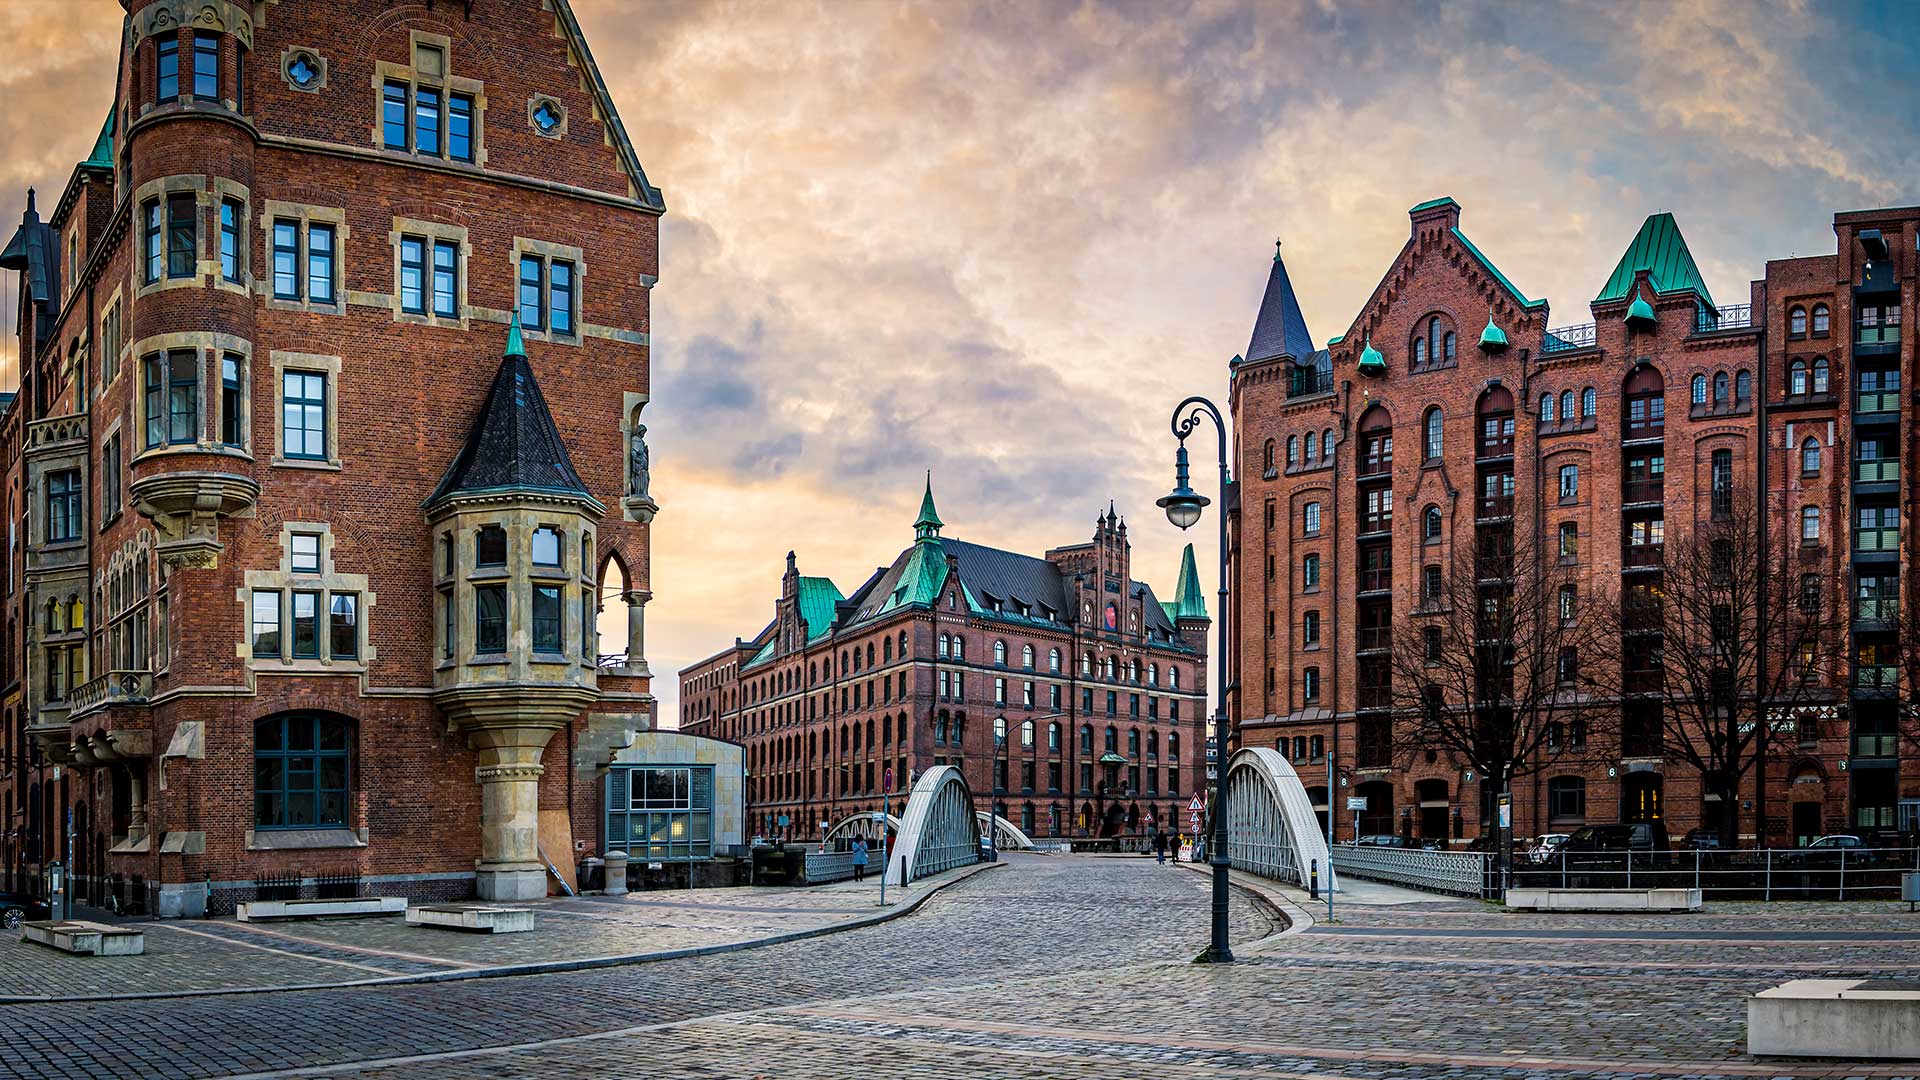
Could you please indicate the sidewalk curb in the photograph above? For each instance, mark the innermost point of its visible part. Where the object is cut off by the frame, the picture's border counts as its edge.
(549, 967)
(1297, 919)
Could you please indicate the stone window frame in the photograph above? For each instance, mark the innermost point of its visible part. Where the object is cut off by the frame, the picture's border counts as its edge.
(547, 252)
(306, 214)
(159, 188)
(327, 582)
(431, 231)
(287, 56)
(216, 419)
(205, 345)
(284, 361)
(385, 71)
(224, 189)
(112, 306)
(103, 482)
(533, 105)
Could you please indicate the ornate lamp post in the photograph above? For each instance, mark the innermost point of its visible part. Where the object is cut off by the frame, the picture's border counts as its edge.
(1183, 506)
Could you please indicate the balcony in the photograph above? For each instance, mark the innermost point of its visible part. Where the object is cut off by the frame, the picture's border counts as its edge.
(1568, 339)
(113, 688)
(1876, 677)
(1306, 382)
(1882, 744)
(1643, 491)
(1376, 638)
(1876, 609)
(1731, 317)
(1375, 466)
(1494, 506)
(1880, 333)
(1876, 541)
(1378, 579)
(1877, 401)
(1643, 680)
(1642, 555)
(1876, 471)
(1374, 697)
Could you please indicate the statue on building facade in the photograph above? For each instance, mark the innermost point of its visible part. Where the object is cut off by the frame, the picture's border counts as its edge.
(638, 460)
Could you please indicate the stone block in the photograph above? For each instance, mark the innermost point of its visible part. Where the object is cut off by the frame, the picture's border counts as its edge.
(476, 918)
(86, 938)
(346, 907)
(1855, 1019)
(1604, 899)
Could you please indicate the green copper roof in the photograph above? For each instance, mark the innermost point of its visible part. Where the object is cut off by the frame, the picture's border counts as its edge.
(1332, 341)
(818, 596)
(1188, 603)
(1640, 311)
(923, 577)
(928, 524)
(765, 653)
(102, 155)
(1371, 362)
(515, 347)
(1493, 339)
(1661, 251)
(1444, 200)
(1487, 264)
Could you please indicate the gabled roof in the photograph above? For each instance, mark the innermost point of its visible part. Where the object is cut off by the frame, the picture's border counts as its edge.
(643, 192)
(102, 155)
(1660, 250)
(818, 598)
(513, 445)
(1487, 264)
(34, 251)
(1280, 329)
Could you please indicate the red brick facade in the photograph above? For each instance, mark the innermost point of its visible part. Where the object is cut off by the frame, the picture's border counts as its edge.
(148, 733)
(837, 691)
(1309, 432)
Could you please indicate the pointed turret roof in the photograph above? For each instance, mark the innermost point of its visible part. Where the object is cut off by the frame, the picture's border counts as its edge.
(1188, 603)
(1280, 329)
(513, 444)
(927, 525)
(1660, 250)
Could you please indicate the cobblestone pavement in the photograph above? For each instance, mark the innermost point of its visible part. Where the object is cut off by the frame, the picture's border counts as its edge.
(192, 955)
(1061, 968)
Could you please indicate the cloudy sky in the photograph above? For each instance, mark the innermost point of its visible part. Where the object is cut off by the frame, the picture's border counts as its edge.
(1000, 241)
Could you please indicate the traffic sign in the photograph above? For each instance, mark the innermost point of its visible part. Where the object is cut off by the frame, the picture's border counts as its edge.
(1196, 803)
(877, 815)
(783, 821)
(1356, 802)
(889, 775)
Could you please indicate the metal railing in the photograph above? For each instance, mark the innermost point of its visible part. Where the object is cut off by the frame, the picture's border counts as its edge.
(1303, 382)
(1876, 334)
(1876, 401)
(1807, 873)
(1876, 608)
(1730, 317)
(1877, 539)
(1643, 555)
(1876, 470)
(1568, 338)
(1876, 677)
(1879, 744)
(1375, 466)
(1460, 873)
(1643, 491)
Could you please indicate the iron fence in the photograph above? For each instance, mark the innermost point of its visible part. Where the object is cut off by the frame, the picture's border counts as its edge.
(1739, 874)
(1461, 873)
(1568, 338)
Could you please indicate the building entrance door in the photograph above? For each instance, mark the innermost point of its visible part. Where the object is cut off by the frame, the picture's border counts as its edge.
(1806, 823)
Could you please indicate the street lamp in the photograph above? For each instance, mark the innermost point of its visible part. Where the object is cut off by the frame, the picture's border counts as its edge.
(999, 787)
(1183, 506)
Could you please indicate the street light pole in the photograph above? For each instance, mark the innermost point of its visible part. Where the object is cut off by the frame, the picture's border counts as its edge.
(1183, 506)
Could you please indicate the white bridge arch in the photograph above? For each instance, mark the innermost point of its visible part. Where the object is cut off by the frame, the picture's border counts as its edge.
(939, 829)
(859, 825)
(1006, 835)
(1271, 827)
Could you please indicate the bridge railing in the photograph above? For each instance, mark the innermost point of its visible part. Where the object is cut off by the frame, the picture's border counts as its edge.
(1460, 873)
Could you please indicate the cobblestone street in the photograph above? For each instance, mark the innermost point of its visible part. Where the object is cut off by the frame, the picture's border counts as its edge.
(1094, 985)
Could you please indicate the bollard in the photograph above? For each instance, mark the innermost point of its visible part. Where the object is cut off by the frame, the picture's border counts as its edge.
(903, 871)
(616, 862)
(1313, 880)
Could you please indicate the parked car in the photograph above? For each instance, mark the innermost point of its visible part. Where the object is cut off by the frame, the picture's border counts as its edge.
(1630, 836)
(1547, 846)
(1828, 852)
(1380, 840)
(16, 909)
(1701, 840)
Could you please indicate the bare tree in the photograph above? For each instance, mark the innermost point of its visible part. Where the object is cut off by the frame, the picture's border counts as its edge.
(1732, 637)
(1497, 665)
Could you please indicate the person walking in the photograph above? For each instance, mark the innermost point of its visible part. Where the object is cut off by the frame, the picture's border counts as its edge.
(860, 859)
(1160, 847)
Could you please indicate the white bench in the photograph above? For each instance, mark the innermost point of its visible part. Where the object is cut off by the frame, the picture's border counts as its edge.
(1604, 899)
(268, 910)
(477, 918)
(87, 938)
(1856, 1019)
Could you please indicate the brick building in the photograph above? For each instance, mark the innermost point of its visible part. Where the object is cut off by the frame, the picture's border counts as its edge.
(1595, 437)
(325, 457)
(1061, 683)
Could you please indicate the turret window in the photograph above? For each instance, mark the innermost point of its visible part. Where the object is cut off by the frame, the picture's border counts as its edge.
(490, 618)
(172, 397)
(490, 546)
(546, 618)
(167, 69)
(206, 65)
(546, 546)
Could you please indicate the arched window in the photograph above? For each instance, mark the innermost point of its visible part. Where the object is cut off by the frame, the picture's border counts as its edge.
(302, 771)
(1719, 389)
(1699, 389)
(1433, 429)
(1809, 524)
(1153, 674)
(1086, 739)
(959, 647)
(999, 731)
(1133, 671)
(1546, 408)
(886, 650)
(1053, 737)
(1310, 518)
(1820, 371)
(1153, 746)
(1810, 457)
(1797, 378)
(1173, 677)
(1268, 460)
(1419, 352)
(1000, 653)
(903, 644)
(1797, 322)
(944, 643)
(1430, 524)
(1293, 451)
(1086, 663)
(1326, 445)
(1053, 659)
(1113, 739)
(1173, 747)
(1589, 402)
(1107, 667)
(1433, 337)
(1567, 415)
(1026, 733)
(1821, 318)
(1449, 346)
(1026, 657)
(1743, 386)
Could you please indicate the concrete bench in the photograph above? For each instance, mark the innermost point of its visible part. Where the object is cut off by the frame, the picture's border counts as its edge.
(1855, 1019)
(1604, 899)
(87, 938)
(269, 910)
(475, 918)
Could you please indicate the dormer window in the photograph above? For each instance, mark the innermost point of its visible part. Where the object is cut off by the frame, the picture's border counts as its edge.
(490, 546)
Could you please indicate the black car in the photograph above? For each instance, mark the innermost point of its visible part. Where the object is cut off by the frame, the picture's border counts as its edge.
(1632, 836)
(1701, 840)
(16, 909)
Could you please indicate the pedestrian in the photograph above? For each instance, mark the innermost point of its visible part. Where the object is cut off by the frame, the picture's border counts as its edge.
(860, 860)
(1160, 847)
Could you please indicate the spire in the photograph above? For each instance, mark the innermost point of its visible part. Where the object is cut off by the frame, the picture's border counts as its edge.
(1280, 329)
(1660, 250)
(1187, 601)
(513, 444)
(927, 525)
(515, 347)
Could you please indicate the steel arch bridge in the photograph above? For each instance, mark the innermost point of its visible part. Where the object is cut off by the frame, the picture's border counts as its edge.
(860, 825)
(939, 829)
(1271, 827)
(1006, 835)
